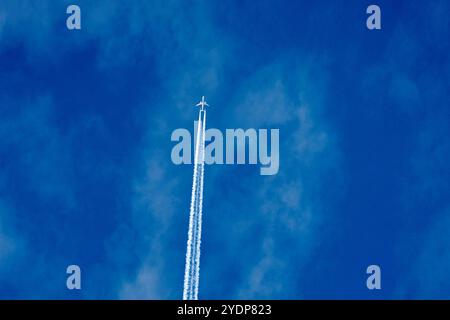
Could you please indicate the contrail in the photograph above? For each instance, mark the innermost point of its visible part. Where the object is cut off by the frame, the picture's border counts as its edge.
(192, 268)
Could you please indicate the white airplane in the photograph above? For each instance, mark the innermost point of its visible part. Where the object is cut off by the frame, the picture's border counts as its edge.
(202, 103)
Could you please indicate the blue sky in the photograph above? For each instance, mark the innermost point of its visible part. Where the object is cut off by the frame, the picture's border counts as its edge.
(86, 176)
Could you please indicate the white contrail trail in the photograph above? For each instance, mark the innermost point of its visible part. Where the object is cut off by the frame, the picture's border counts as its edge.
(192, 268)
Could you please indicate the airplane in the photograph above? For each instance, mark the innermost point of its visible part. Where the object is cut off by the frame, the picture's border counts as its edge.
(202, 103)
